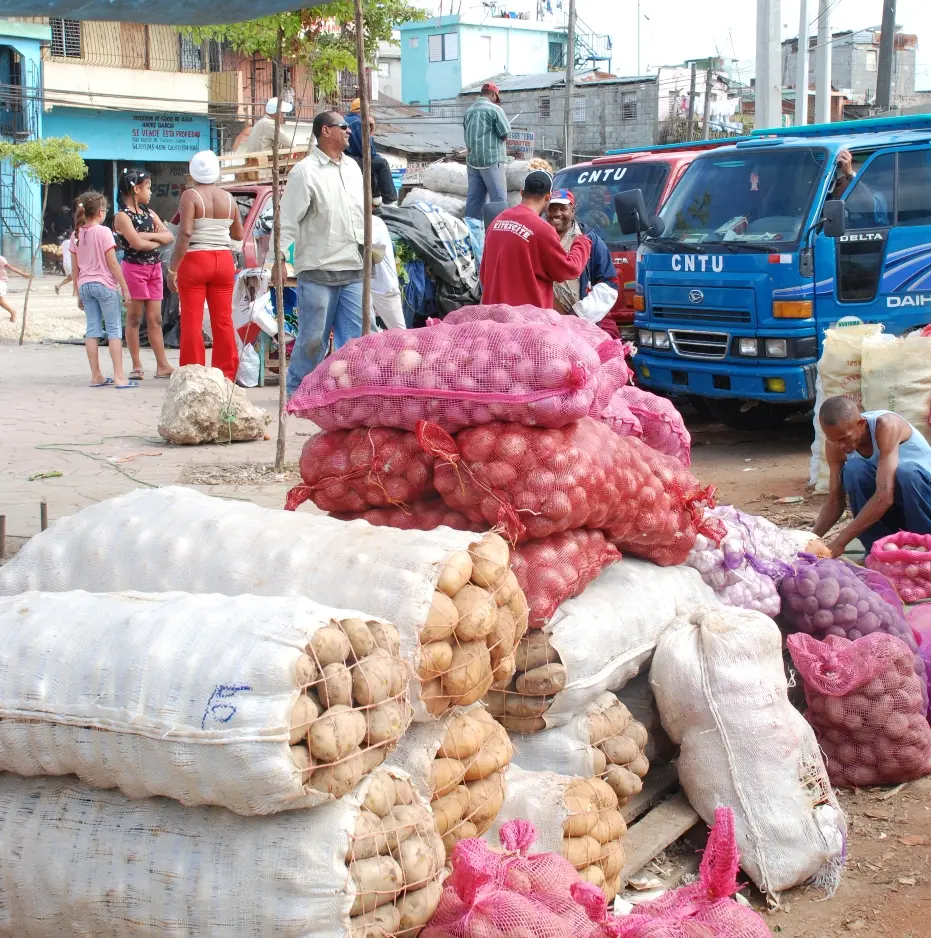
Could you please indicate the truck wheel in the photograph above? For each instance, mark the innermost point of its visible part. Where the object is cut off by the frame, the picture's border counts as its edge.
(761, 417)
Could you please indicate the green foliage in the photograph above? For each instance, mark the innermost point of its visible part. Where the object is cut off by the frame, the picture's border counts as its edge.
(54, 159)
(309, 37)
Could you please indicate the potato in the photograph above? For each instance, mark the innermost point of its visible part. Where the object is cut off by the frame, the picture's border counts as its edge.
(500, 639)
(360, 637)
(534, 651)
(417, 908)
(486, 795)
(340, 777)
(610, 826)
(335, 687)
(303, 713)
(386, 722)
(418, 861)
(374, 678)
(579, 822)
(611, 888)
(618, 717)
(446, 774)
(303, 760)
(306, 671)
(460, 832)
(506, 589)
(599, 761)
(386, 637)
(373, 757)
(601, 792)
(611, 860)
(490, 558)
(620, 750)
(464, 737)
(477, 613)
(376, 881)
(436, 702)
(507, 703)
(329, 646)
(369, 838)
(547, 679)
(494, 755)
(518, 605)
(403, 820)
(581, 851)
(503, 672)
(456, 572)
(593, 875)
(477, 693)
(448, 810)
(469, 669)
(435, 659)
(523, 724)
(403, 790)
(610, 722)
(335, 733)
(441, 619)
(640, 766)
(638, 733)
(385, 920)
(623, 782)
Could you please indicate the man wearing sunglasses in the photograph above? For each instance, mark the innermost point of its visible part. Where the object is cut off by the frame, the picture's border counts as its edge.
(322, 216)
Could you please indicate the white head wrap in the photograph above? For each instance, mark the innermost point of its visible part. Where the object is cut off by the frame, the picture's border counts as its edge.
(205, 167)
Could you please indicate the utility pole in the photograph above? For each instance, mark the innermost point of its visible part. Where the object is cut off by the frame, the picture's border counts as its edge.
(691, 120)
(366, 173)
(570, 81)
(886, 55)
(278, 269)
(768, 105)
(801, 67)
(638, 39)
(823, 64)
(706, 117)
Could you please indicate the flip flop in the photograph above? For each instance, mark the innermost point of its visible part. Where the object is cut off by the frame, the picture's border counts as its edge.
(102, 384)
(126, 387)
(137, 374)
(165, 377)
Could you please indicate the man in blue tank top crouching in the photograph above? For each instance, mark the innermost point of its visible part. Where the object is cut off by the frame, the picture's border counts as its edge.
(881, 465)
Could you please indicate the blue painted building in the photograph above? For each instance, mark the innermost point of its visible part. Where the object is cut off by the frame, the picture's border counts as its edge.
(20, 120)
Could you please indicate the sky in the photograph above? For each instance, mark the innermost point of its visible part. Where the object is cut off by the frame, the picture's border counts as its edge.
(672, 31)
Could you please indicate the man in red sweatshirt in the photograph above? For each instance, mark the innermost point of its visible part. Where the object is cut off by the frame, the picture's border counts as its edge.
(523, 255)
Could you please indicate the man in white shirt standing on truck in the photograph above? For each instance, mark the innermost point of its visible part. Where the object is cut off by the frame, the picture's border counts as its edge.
(322, 216)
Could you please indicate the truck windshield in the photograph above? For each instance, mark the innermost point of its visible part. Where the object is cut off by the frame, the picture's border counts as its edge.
(757, 197)
(594, 188)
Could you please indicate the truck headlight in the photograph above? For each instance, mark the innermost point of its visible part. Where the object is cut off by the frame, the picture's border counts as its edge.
(646, 338)
(777, 348)
(747, 347)
(660, 340)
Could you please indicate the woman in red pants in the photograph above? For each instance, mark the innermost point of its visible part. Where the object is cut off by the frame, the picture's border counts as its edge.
(202, 267)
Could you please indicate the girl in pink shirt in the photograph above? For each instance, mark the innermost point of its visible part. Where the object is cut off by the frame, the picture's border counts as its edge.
(98, 282)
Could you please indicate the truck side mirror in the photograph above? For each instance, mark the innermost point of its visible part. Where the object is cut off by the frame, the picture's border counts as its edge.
(491, 210)
(631, 210)
(834, 218)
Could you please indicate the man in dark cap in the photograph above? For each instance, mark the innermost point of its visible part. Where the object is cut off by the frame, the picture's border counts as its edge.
(524, 255)
(486, 128)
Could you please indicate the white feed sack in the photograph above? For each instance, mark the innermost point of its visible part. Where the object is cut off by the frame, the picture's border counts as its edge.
(197, 698)
(453, 204)
(77, 861)
(178, 539)
(721, 687)
(448, 178)
(896, 376)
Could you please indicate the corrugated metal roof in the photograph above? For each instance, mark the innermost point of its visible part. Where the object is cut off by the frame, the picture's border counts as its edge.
(427, 135)
(553, 80)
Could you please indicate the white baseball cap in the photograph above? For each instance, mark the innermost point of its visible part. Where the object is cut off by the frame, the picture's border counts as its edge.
(271, 106)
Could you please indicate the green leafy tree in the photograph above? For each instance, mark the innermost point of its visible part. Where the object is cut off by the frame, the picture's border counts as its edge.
(49, 161)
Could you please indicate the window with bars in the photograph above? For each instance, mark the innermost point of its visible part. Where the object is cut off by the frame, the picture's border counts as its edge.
(544, 107)
(191, 53)
(629, 105)
(66, 37)
(578, 110)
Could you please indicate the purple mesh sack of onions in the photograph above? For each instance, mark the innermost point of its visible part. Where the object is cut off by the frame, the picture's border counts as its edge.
(832, 597)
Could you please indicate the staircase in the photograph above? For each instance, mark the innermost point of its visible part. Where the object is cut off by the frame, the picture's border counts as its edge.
(19, 222)
(591, 49)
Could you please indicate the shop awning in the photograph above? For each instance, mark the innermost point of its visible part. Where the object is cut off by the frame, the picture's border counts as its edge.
(170, 12)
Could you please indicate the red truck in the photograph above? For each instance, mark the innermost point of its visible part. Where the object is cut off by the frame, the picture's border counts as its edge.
(656, 172)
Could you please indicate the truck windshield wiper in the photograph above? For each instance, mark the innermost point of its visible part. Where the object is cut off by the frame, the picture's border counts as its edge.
(744, 247)
(674, 246)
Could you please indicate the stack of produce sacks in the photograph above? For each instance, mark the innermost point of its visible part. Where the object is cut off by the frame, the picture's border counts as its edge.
(442, 589)
(904, 560)
(263, 719)
(652, 419)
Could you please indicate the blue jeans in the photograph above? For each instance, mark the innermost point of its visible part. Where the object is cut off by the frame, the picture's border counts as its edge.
(101, 309)
(488, 184)
(320, 311)
(911, 510)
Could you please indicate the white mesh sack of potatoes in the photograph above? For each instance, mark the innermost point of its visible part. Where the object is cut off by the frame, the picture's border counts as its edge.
(458, 764)
(252, 703)
(603, 740)
(77, 860)
(447, 589)
(593, 643)
(577, 818)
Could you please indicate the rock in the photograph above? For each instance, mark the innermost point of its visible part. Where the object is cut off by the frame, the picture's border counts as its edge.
(203, 406)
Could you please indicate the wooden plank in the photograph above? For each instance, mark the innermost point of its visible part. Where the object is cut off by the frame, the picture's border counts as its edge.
(658, 783)
(658, 829)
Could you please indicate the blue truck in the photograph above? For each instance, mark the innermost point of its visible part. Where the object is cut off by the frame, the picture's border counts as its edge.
(766, 243)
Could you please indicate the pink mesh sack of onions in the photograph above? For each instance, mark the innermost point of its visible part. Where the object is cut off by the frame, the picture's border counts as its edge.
(455, 376)
(866, 707)
(354, 470)
(662, 425)
(905, 559)
(500, 895)
(703, 909)
(417, 516)
(534, 482)
(621, 419)
(558, 567)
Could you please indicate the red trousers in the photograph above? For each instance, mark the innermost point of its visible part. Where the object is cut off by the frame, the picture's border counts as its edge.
(208, 276)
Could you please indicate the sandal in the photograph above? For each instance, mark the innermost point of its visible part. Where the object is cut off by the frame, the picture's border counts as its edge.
(137, 374)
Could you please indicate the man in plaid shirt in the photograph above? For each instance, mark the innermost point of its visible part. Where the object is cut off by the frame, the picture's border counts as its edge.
(486, 129)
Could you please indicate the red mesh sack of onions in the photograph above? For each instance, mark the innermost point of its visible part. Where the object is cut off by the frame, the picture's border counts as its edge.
(621, 419)
(865, 705)
(354, 470)
(535, 482)
(905, 559)
(418, 516)
(558, 567)
(663, 428)
(455, 376)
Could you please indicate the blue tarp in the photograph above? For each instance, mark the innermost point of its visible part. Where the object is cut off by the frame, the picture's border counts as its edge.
(171, 12)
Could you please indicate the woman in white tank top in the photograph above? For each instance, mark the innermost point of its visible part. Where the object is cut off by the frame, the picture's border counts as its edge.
(202, 269)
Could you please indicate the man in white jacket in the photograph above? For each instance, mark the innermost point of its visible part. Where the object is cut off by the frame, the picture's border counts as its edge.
(322, 215)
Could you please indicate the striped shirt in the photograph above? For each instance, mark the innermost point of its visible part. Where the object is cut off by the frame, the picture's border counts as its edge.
(486, 129)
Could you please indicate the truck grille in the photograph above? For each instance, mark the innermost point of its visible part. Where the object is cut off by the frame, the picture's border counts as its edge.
(700, 344)
(690, 314)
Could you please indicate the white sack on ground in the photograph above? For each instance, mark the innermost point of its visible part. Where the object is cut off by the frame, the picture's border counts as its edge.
(453, 204)
(178, 539)
(721, 688)
(190, 697)
(896, 376)
(77, 861)
(448, 178)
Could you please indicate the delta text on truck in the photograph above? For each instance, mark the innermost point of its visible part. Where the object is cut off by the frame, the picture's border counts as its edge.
(757, 258)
